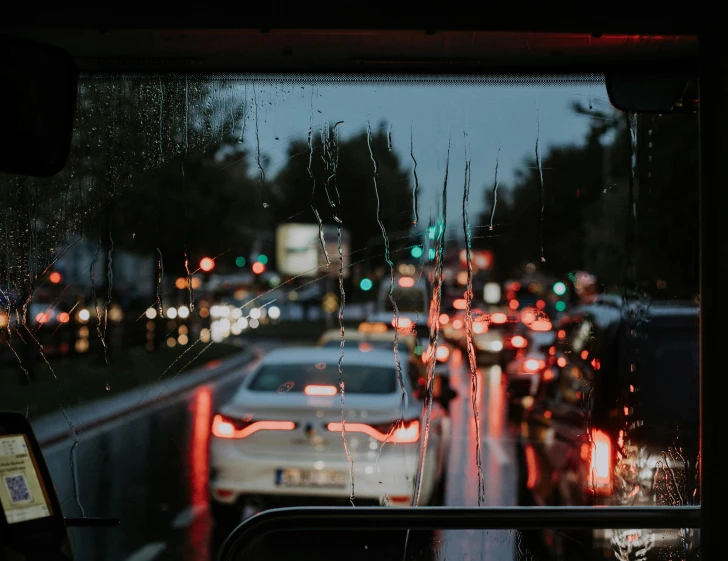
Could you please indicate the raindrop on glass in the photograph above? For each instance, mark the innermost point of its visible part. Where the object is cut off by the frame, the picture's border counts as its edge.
(265, 205)
(286, 387)
(108, 387)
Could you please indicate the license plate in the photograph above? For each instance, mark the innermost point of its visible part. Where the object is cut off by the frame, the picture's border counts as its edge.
(310, 478)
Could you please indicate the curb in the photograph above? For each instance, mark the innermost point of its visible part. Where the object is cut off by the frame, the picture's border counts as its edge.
(54, 428)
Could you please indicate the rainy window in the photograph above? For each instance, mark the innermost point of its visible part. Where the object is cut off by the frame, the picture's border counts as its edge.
(520, 226)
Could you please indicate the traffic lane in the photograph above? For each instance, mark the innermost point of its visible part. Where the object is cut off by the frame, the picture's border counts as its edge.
(497, 460)
(148, 469)
(151, 471)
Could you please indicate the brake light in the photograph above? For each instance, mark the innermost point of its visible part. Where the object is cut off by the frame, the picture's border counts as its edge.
(400, 432)
(533, 365)
(457, 324)
(406, 282)
(442, 353)
(444, 318)
(226, 427)
(402, 323)
(320, 390)
(541, 325)
(498, 317)
(519, 342)
(460, 304)
(600, 463)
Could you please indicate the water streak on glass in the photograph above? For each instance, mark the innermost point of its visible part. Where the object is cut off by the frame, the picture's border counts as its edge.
(263, 194)
(416, 187)
(313, 187)
(434, 321)
(495, 190)
(542, 193)
(474, 391)
(389, 261)
(100, 327)
(160, 279)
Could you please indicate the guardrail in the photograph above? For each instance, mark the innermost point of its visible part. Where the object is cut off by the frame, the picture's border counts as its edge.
(56, 427)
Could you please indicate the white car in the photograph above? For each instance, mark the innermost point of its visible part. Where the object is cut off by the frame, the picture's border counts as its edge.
(278, 441)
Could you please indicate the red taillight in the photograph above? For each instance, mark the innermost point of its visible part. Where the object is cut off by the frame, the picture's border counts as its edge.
(541, 325)
(600, 463)
(226, 427)
(320, 390)
(499, 318)
(518, 342)
(401, 432)
(533, 365)
(444, 318)
(442, 353)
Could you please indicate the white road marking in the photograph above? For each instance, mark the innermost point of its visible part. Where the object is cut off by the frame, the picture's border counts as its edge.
(188, 515)
(148, 552)
(496, 448)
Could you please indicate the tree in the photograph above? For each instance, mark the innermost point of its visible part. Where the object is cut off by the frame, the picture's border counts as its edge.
(590, 194)
(345, 169)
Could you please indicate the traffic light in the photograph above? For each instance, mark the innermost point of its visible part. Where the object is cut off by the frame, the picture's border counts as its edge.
(240, 261)
(263, 259)
(258, 267)
(366, 284)
(560, 288)
(560, 306)
(417, 252)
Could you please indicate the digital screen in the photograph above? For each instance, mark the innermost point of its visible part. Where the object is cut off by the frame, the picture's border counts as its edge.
(21, 492)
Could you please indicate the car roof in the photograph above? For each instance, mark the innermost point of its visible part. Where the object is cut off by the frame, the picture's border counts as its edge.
(387, 317)
(316, 355)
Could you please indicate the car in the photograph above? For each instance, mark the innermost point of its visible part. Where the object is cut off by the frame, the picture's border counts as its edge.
(618, 423)
(417, 355)
(278, 441)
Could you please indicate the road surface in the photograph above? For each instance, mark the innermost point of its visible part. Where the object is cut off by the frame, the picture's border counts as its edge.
(150, 470)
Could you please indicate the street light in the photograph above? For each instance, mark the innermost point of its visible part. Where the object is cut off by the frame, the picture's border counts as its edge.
(207, 264)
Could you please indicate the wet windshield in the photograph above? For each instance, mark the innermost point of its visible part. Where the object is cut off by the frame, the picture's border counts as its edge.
(516, 225)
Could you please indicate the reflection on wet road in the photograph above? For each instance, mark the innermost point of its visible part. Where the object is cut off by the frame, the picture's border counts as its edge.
(150, 470)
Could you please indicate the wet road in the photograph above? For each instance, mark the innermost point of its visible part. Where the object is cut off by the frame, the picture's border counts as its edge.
(150, 470)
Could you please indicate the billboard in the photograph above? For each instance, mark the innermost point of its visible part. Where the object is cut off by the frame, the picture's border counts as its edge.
(299, 252)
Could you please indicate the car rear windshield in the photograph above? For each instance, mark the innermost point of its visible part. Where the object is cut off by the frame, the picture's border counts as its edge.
(295, 377)
(365, 346)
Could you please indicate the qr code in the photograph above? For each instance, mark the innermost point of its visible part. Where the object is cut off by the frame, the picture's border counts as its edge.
(18, 488)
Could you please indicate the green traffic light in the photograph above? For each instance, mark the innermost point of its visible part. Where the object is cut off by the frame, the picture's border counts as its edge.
(366, 284)
(263, 259)
(560, 288)
(560, 306)
(431, 254)
(240, 261)
(417, 252)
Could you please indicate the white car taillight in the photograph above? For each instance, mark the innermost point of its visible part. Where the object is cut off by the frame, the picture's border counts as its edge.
(401, 432)
(226, 427)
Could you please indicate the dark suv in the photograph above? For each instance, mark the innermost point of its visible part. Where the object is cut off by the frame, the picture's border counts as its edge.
(617, 425)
